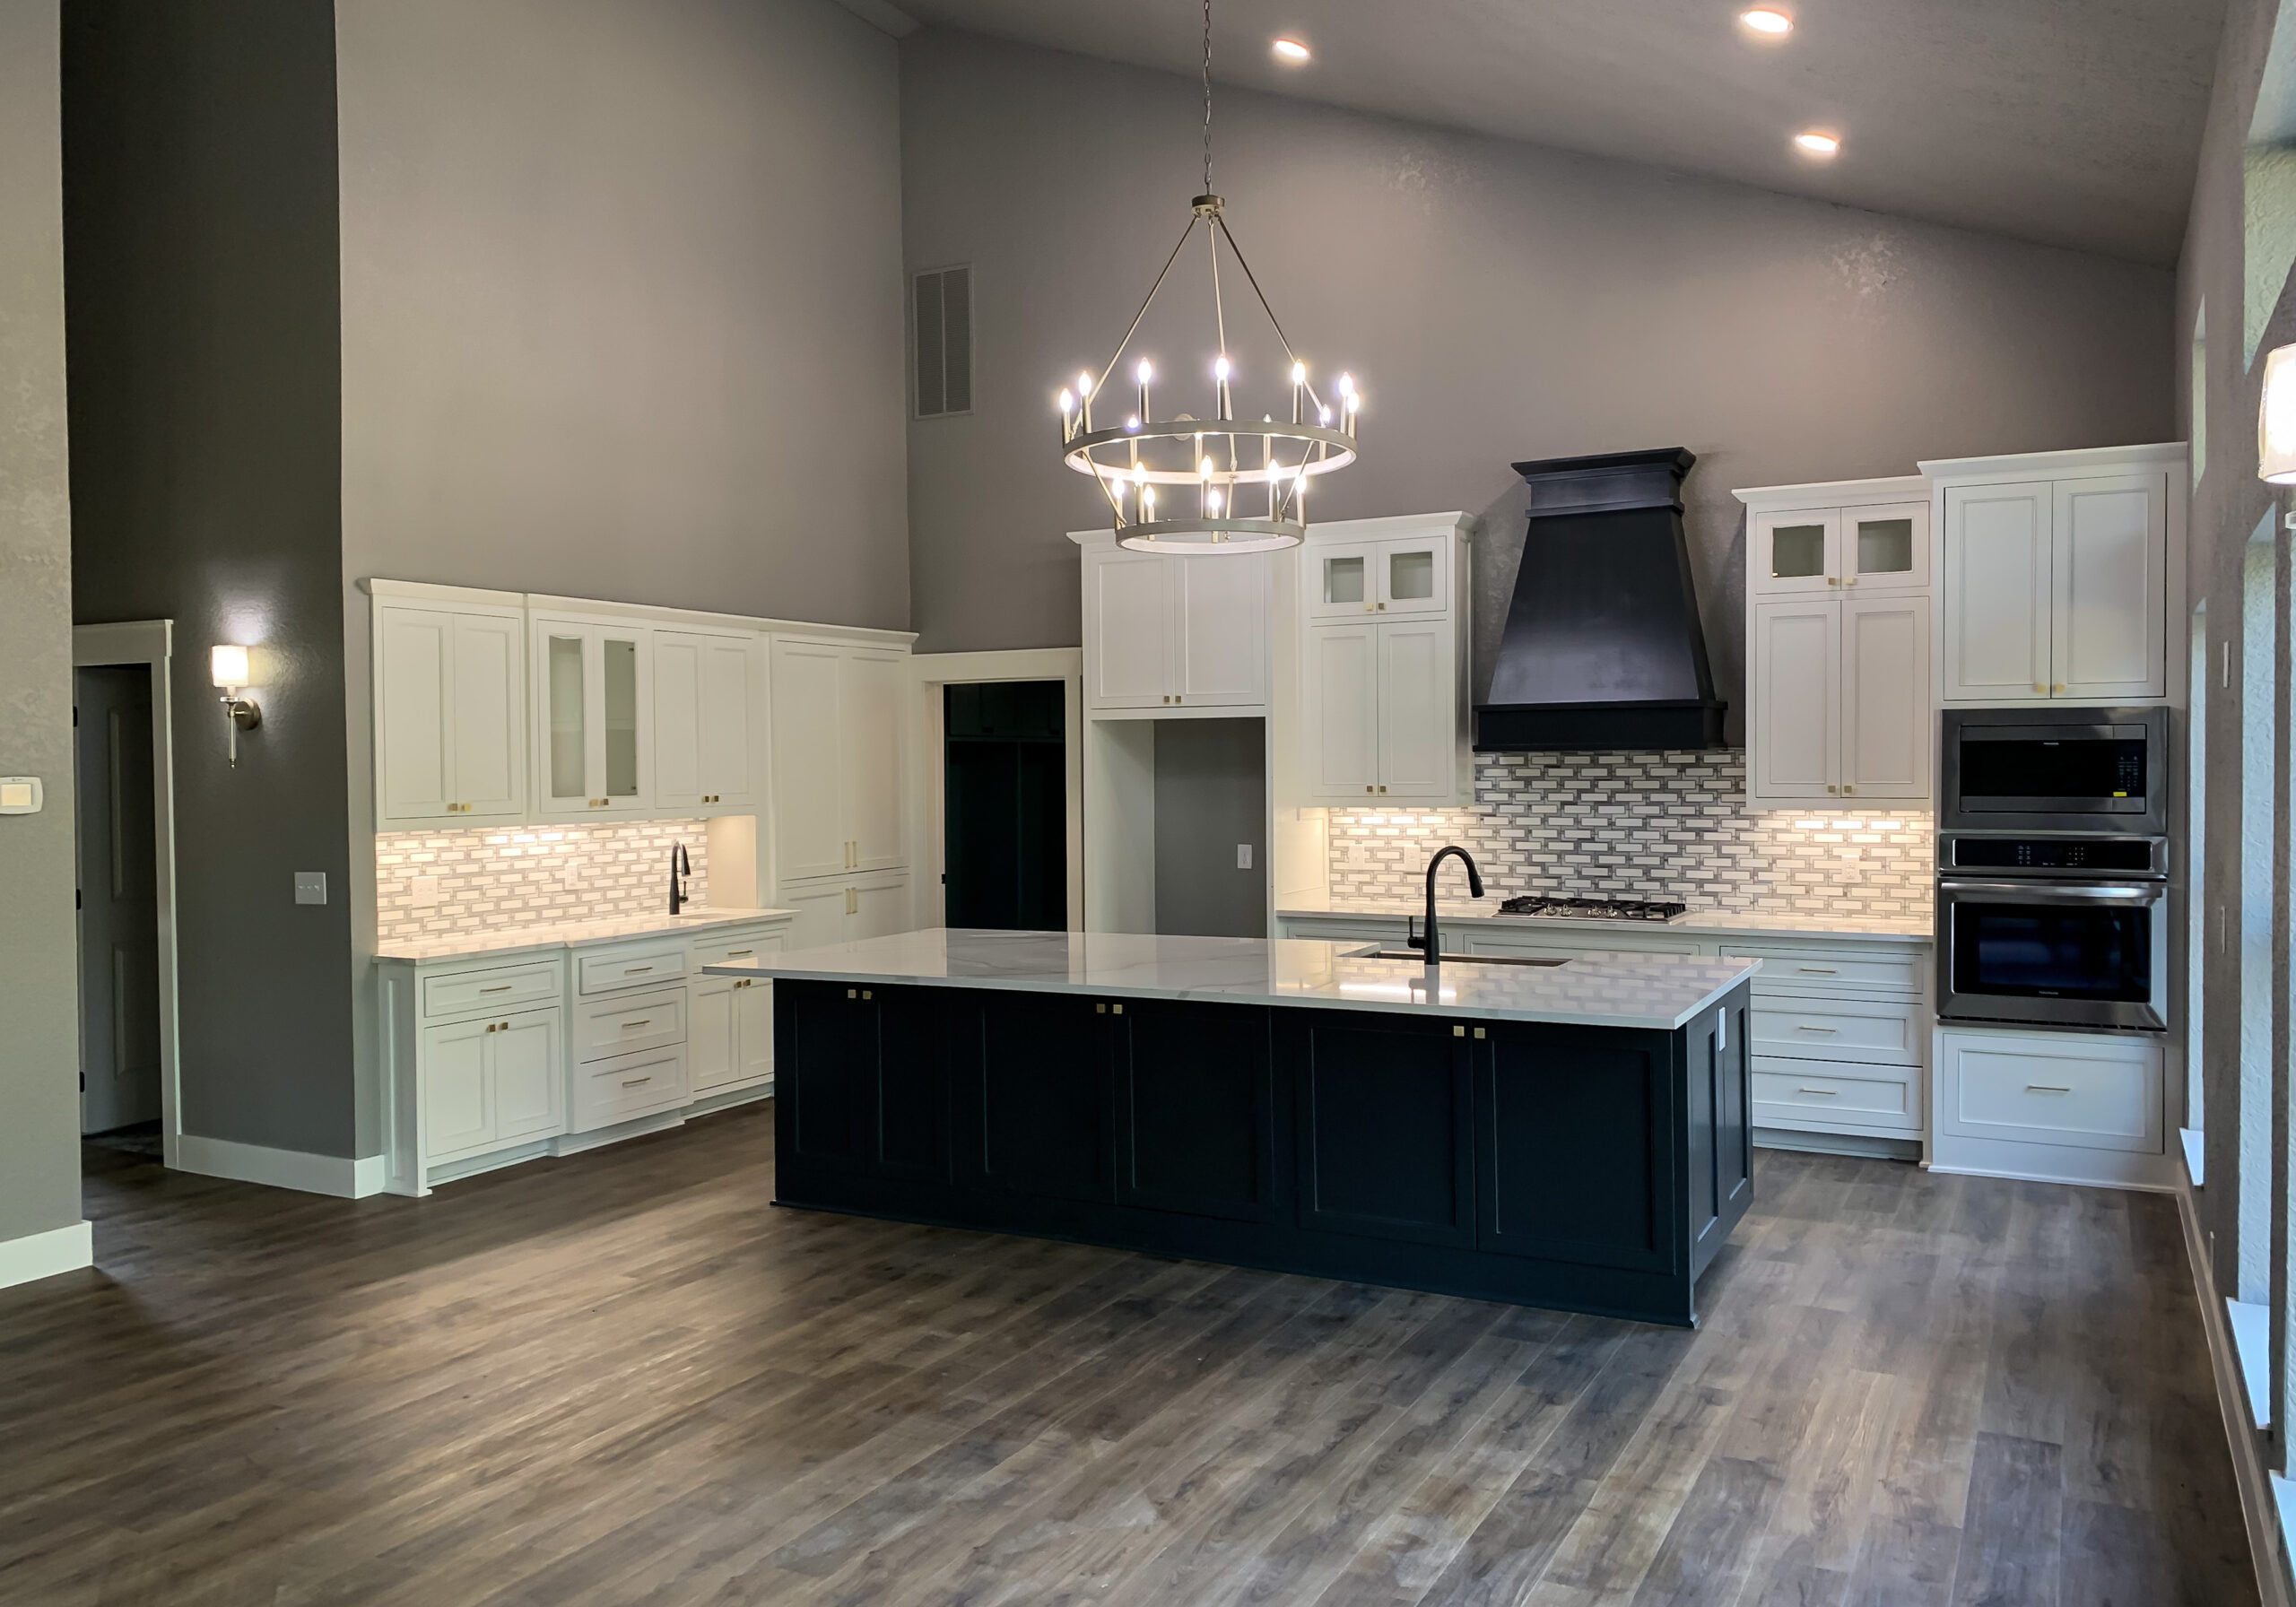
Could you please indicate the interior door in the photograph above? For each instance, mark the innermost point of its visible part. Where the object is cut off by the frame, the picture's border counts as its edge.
(871, 704)
(1418, 755)
(1795, 731)
(414, 758)
(528, 1076)
(119, 944)
(2108, 625)
(1795, 553)
(1128, 599)
(809, 835)
(1887, 727)
(1221, 611)
(1341, 699)
(1997, 593)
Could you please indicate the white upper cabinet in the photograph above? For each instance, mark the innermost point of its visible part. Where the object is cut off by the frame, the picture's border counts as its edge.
(451, 695)
(1839, 698)
(1384, 631)
(2109, 614)
(840, 797)
(1997, 592)
(594, 702)
(709, 726)
(1164, 632)
(2058, 575)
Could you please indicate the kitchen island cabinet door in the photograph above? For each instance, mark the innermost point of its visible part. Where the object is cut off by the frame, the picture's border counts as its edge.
(1384, 1117)
(1034, 1115)
(1573, 1129)
(827, 1046)
(1195, 1110)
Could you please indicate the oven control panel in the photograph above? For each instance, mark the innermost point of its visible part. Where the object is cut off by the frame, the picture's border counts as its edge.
(2063, 855)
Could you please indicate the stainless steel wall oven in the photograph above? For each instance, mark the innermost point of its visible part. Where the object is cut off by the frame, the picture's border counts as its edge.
(2056, 931)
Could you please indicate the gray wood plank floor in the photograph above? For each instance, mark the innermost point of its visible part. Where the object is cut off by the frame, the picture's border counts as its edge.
(623, 1378)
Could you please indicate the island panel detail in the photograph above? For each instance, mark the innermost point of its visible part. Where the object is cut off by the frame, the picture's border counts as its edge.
(1588, 1169)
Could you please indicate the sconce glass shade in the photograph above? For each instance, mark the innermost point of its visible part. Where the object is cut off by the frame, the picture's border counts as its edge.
(2276, 419)
(228, 666)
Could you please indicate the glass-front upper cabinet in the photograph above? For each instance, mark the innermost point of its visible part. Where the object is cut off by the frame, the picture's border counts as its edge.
(1795, 553)
(594, 685)
(1349, 579)
(1887, 548)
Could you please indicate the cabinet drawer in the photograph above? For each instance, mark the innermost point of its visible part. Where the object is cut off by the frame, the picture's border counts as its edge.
(1785, 1092)
(638, 966)
(632, 1022)
(2104, 1102)
(719, 947)
(1796, 969)
(1873, 1030)
(466, 993)
(627, 1086)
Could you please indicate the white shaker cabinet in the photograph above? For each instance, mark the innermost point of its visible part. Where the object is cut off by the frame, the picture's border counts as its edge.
(2060, 573)
(594, 712)
(1384, 617)
(489, 1083)
(1164, 632)
(709, 721)
(450, 697)
(846, 909)
(838, 786)
(1840, 701)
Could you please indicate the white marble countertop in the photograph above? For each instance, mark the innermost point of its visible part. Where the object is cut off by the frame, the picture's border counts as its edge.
(1697, 923)
(1628, 990)
(566, 935)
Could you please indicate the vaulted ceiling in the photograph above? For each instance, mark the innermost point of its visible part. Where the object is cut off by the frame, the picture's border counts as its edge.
(2069, 122)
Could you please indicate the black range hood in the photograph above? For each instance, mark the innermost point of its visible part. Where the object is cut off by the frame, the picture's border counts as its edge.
(1603, 649)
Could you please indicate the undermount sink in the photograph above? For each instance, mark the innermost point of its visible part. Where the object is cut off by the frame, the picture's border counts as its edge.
(1460, 958)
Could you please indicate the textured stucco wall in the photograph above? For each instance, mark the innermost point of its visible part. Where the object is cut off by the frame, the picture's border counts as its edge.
(1501, 301)
(39, 1032)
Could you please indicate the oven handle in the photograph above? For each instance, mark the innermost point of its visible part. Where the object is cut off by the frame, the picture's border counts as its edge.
(2045, 893)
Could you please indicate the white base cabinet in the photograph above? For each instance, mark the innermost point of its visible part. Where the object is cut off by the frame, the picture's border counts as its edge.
(2057, 1106)
(495, 1059)
(846, 909)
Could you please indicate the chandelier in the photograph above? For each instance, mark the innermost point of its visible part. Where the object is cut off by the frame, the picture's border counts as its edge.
(1218, 483)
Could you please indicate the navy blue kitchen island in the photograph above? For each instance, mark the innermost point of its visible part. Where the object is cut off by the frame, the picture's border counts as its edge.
(1573, 1135)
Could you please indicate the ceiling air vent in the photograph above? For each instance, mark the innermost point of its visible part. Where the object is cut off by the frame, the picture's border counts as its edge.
(940, 313)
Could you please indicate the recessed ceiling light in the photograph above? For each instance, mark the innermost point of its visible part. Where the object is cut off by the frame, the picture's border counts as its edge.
(1766, 20)
(1291, 50)
(1813, 143)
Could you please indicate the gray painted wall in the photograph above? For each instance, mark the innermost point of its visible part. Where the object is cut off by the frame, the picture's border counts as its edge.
(201, 260)
(2227, 505)
(40, 1150)
(1211, 795)
(1499, 301)
(622, 318)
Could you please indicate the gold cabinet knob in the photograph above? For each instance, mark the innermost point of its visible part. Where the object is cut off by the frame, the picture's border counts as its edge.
(1849, 581)
(1370, 788)
(1848, 788)
(1833, 581)
(2039, 687)
(1383, 786)
(2059, 687)
(1832, 787)
(1383, 608)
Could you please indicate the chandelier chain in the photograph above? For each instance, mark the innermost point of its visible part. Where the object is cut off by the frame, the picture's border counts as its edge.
(1207, 97)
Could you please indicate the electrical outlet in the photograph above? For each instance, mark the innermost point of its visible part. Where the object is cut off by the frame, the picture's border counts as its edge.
(310, 887)
(1243, 857)
(570, 872)
(425, 889)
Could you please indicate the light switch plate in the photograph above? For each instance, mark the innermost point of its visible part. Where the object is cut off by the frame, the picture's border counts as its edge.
(310, 887)
(20, 795)
(425, 889)
(1243, 857)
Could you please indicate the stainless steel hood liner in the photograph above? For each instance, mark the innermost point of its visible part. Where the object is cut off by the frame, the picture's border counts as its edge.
(1602, 647)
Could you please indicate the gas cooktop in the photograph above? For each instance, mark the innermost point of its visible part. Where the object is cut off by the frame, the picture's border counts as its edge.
(1605, 910)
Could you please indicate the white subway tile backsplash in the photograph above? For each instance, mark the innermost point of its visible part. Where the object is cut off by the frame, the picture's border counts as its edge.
(1644, 825)
(436, 884)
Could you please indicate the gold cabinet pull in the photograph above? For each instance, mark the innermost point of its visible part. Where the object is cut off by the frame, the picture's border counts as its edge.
(503, 987)
(2047, 1087)
(643, 1021)
(635, 1082)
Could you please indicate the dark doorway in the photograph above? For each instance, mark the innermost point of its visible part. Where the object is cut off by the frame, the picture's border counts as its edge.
(119, 944)
(1006, 809)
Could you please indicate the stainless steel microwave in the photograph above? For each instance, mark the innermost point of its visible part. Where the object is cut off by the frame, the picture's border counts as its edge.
(2045, 769)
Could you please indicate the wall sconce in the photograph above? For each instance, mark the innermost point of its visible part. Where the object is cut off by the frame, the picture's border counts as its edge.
(2276, 419)
(227, 667)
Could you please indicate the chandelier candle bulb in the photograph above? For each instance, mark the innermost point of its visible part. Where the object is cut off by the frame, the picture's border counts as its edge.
(1144, 375)
(1067, 418)
(1298, 392)
(1084, 401)
(1223, 402)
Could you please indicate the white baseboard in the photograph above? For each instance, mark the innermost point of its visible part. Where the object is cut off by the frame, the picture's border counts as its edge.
(336, 1175)
(45, 1254)
(2258, 1510)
